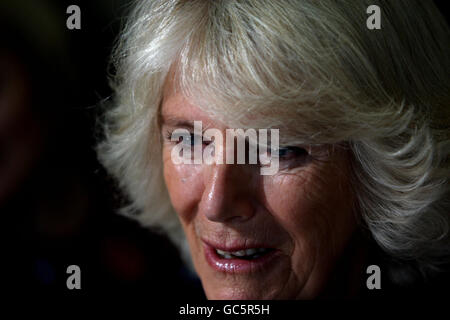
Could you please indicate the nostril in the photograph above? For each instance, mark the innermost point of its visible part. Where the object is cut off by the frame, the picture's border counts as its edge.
(237, 211)
(226, 218)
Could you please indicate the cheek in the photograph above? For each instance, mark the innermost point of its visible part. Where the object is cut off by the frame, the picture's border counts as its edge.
(184, 183)
(314, 207)
(292, 200)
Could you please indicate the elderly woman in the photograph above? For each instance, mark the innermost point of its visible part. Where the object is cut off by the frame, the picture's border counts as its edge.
(362, 116)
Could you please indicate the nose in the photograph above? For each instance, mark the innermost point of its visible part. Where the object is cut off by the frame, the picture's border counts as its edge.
(229, 193)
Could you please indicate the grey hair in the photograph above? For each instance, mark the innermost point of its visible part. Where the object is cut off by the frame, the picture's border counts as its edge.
(321, 75)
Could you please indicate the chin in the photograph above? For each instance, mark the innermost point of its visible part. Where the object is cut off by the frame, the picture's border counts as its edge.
(233, 293)
(224, 290)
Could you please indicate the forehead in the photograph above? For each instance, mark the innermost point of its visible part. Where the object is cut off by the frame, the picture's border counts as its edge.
(176, 105)
(179, 110)
(176, 108)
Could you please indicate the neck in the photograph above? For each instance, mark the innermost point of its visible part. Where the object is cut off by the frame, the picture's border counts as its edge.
(347, 277)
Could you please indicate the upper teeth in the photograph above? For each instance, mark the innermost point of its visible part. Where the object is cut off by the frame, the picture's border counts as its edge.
(240, 253)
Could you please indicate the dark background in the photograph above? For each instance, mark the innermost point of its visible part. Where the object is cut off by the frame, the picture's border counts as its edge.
(57, 203)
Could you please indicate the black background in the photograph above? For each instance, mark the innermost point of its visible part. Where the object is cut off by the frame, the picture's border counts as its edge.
(62, 211)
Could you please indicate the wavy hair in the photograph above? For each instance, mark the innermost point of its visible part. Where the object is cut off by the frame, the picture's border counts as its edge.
(319, 73)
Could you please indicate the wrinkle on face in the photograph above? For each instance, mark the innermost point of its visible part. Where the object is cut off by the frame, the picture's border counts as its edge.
(306, 212)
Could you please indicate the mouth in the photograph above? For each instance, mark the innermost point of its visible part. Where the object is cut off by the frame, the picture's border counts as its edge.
(248, 254)
(240, 260)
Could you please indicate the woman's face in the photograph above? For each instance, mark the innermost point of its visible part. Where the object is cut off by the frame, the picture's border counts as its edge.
(256, 236)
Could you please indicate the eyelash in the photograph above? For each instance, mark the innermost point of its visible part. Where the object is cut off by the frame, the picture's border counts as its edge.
(168, 137)
(299, 153)
(298, 150)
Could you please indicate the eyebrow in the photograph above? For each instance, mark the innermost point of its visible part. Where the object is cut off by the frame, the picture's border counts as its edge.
(177, 122)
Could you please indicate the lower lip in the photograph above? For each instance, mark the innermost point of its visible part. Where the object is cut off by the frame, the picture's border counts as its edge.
(240, 266)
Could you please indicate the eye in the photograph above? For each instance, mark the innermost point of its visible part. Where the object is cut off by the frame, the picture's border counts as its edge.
(291, 157)
(292, 152)
(188, 140)
(191, 140)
